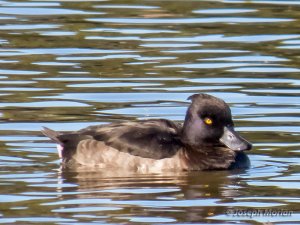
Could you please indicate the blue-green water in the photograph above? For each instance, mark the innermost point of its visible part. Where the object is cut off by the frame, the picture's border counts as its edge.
(70, 64)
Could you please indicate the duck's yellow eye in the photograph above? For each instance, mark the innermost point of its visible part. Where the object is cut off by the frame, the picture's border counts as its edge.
(208, 121)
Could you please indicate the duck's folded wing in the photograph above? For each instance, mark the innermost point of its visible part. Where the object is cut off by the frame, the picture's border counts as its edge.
(156, 139)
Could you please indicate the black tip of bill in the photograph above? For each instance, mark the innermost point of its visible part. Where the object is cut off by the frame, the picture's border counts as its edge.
(234, 141)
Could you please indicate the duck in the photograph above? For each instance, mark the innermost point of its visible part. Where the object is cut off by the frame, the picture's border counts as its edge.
(206, 140)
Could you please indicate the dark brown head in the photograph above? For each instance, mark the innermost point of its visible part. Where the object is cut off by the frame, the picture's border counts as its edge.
(208, 122)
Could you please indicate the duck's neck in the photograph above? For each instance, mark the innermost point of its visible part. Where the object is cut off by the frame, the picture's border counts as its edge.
(190, 131)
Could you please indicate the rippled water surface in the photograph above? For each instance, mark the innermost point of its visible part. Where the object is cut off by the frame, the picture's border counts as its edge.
(69, 64)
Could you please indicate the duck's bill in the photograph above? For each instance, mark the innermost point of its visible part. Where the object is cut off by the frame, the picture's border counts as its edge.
(234, 141)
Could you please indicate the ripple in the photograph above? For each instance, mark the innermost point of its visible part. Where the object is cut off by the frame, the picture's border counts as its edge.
(238, 80)
(86, 209)
(150, 219)
(237, 20)
(224, 11)
(279, 184)
(196, 202)
(20, 72)
(55, 64)
(143, 190)
(29, 4)
(187, 89)
(148, 111)
(130, 30)
(43, 103)
(7, 61)
(126, 7)
(18, 89)
(284, 199)
(14, 159)
(265, 69)
(247, 58)
(79, 201)
(272, 2)
(292, 177)
(28, 26)
(36, 219)
(34, 11)
(57, 33)
(286, 129)
(169, 45)
(59, 51)
(274, 119)
(124, 97)
(7, 18)
(217, 51)
(281, 91)
(113, 38)
(292, 47)
(111, 85)
(208, 65)
(81, 58)
(292, 42)
(221, 38)
(2, 41)
(19, 198)
(19, 126)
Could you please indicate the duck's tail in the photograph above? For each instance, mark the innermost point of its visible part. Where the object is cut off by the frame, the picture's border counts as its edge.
(53, 135)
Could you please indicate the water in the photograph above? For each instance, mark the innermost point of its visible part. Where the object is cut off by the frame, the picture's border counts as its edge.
(70, 64)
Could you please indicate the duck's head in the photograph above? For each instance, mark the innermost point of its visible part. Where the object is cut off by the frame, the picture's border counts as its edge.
(208, 122)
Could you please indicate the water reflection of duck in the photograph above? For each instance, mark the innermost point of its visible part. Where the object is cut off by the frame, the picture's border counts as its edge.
(205, 141)
(183, 196)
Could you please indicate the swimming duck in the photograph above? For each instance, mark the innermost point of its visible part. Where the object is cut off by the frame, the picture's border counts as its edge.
(205, 141)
